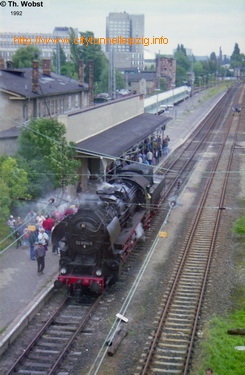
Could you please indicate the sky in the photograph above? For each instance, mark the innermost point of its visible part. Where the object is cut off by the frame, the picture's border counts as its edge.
(200, 25)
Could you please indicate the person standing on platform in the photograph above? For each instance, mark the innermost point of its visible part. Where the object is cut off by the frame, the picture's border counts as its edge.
(48, 224)
(11, 223)
(79, 189)
(18, 232)
(43, 238)
(30, 218)
(18, 238)
(40, 253)
(32, 240)
(26, 235)
(39, 221)
(149, 157)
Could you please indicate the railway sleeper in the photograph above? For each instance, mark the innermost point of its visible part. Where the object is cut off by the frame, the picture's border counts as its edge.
(31, 372)
(168, 358)
(188, 289)
(59, 330)
(55, 338)
(158, 370)
(182, 311)
(167, 372)
(31, 364)
(185, 296)
(180, 315)
(175, 339)
(57, 333)
(46, 344)
(169, 363)
(172, 352)
(45, 351)
(195, 279)
(65, 321)
(173, 343)
(40, 356)
(190, 305)
(177, 330)
(179, 321)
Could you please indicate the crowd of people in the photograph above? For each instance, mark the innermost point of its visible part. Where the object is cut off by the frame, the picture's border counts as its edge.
(34, 231)
(153, 150)
(148, 153)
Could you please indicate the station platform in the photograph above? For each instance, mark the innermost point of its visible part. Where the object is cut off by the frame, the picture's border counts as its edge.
(20, 285)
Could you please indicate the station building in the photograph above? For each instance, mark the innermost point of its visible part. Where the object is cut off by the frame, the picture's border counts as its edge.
(104, 133)
(35, 93)
(116, 131)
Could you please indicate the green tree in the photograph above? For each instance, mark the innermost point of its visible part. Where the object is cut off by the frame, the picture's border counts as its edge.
(102, 85)
(24, 56)
(75, 50)
(183, 65)
(5, 200)
(198, 69)
(163, 84)
(212, 63)
(67, 68)
(13, 187)
(62, 57)
(46, 155)
(237, 58)
(181, 75)
(88, 51)
(5, 203)
(15, 178)
(181, 58)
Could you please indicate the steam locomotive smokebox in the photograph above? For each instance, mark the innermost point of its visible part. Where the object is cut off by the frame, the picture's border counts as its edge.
(141, 169)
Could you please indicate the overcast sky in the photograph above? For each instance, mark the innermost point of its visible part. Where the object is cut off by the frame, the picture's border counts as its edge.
(200, 25)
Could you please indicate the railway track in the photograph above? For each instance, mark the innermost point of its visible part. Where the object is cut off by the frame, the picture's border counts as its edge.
(171, 345)
(179, 165)
(48, 349)
(26, 364)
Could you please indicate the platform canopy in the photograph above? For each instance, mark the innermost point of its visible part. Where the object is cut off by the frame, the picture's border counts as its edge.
(112, 143)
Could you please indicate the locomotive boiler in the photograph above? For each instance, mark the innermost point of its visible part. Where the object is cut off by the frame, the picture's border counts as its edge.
(99, 237)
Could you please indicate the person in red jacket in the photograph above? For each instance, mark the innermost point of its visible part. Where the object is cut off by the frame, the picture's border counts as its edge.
(48, 224)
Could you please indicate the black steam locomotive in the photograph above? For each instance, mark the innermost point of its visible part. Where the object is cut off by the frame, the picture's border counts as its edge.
(103, 232)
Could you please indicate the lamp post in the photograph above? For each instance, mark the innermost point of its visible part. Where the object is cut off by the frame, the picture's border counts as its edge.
(157, 91)
(173, 86)
(186, 98)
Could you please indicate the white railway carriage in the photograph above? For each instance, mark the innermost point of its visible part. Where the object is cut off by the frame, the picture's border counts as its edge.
(166, 100)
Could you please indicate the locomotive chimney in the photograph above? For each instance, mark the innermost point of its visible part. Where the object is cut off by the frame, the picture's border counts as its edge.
(35, 85)
(81, 73)
(47, 67)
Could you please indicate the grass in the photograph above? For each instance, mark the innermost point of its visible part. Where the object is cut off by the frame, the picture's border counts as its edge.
(219, 347)
(223, 86)
(3, 330)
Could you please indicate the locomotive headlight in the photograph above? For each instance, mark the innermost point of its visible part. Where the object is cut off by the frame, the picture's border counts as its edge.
(63, 271)
(98, 272)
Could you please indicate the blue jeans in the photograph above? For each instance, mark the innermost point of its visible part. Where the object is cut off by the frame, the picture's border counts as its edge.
(32, 252)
